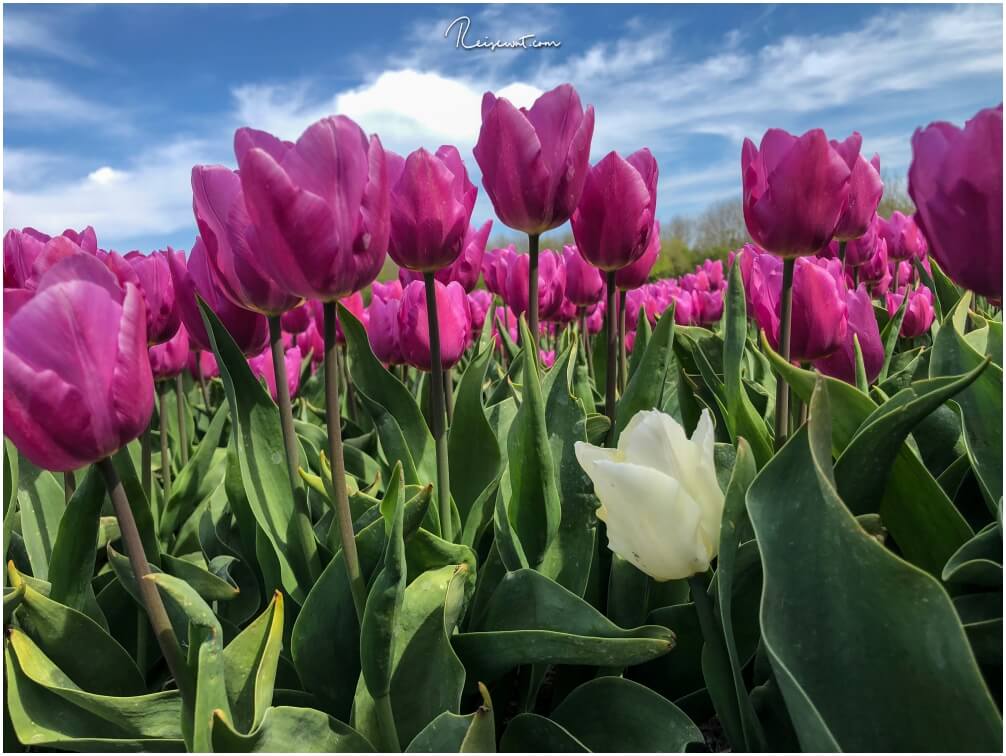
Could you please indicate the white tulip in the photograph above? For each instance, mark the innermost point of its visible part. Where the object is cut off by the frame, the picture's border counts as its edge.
(659, 495)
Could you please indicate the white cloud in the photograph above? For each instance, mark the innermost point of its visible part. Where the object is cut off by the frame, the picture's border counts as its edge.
(43, 104)
(31, 33)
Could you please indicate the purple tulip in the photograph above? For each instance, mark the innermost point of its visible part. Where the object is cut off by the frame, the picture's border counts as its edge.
(595, 318)
(551, 284)
(865, 189)
(319, 206)
(613, 222)
(262, 367)
(479, 302)
(152, 274)
(714, 273)
(795, 190)
(956, 182)
(919, 313)
(495, 265)
(466, 269)
(707, 306)
(903, 237)
(547, 358)
(534, 162)
(77, 383)
(203, 364)
(382, 325)
(584, 284)
(28, 253)
(234, 251)
(431, 206)
(841, 363)
(171, 357)
(298, 319)
(635, 274)
(454, 320)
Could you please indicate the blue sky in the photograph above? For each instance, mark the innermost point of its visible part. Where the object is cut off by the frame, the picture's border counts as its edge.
(106, 108)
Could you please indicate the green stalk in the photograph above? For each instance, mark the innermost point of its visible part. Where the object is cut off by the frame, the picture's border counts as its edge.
(449, 395)
(183, 433)
(334, 421)
(146, 462)
(623, 362)
(611, 324)
(162, 420)
(283, 399)
(782, 388)
(387, 731)
(438, 413)
(149, 595)
(203, 389)
(532, 292)
(69, 485)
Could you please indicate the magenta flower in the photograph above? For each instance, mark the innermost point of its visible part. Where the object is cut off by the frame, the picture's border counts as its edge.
(203, 363)
(551, 284)
(707, 306)
(795, 190)
(919, 313)
(956, 182)
(353, 303)
(298, 319)
(171, 357)
(382, 324)
(613, 222)
(319, 206)
(152, 274)
(635, 274)
(310, 343)
(903, 237)
(495, 265)
(584, 284)
(865, 189)
(534, 162)
(234, 251)
(431, 206)
(28, 253)
(262, 367)
(466, 269)
(77, 383)
(841, 363)
(479, 302)
(547, 358)
(454, 320)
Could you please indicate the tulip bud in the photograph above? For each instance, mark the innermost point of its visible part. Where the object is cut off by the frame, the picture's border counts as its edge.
(795, 189)
(298, 319)
(454, 320)
(584, 284)
(635, 274)
(28, 253)
(262, 367)
(956, 182)
(495, 265)
(466, 269)
(479, 302)
(382, 325)
(865, 189)
(153, 276)
(862, 321)
(919, 313)
(77, 382)
(903, 236)
(551, 284)
(660, 499)
(613, 222)
(203, 363)
(534, 162)
(170, 358)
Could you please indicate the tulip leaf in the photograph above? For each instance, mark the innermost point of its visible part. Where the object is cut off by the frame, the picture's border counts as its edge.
(741, 417)
(533, 733)
(917, 686)
(250, 662)
(261, 458)
(862, 469)
(889, 337)
(915, 509)
(981, 403)
(198, 478)
(611, 714)
(48, 710)
(946, 291)
(533, 506)
(643, 333)
(474, 453)
(290, 729)
(41, 502)
(979, 561)
(138, 503)
(508, 545)
(646, 386)
(530, 620)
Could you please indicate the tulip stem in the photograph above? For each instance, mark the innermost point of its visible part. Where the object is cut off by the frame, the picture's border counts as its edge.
(438, 412)
(449, 395)
(841, 255)
(623, 363)
(203, 389)
(532, 292)
(146, 463)
(586, 341)
(782, 388)
(162, 427)
(283, 399)
(611, 326)
(69, 485)
(149, 594)
(333, 419)
(183, 432)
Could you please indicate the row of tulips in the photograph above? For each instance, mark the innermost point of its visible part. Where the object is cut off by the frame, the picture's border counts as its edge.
(303, 229)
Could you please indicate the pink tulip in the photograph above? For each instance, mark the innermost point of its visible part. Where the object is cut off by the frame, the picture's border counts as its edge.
(454, 320)
(382, 324)
(919, 313)
(551, 283)
(841, 363)
(466, 269)
(170, 358)
(495, 265)
(903, 237)
(865, 189)
(26, 257)
(262, 367)
(203, 363)
(298, 319)
(479, 302)
(310, 343)
(152, 274)
(584, 283)
(635, 274)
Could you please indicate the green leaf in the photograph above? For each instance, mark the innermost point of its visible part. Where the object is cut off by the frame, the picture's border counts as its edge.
(917, 687)
(138, 504)
(646, 386)
(533, 508)
(41, 501)
(611, 714)
(979, 561)
(289, 729)
(643, 334)
(250, 663)
(474, 454)
(456, 733)
(531, 619)
(533, 733)
(262, 460)
(198, 478)
(889, 337)
(981, 404)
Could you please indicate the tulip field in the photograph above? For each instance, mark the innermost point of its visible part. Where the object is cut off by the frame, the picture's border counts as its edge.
(262, 497)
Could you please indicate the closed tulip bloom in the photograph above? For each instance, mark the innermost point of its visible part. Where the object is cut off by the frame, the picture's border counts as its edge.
(551, 284)
(875, 268)
(153, 276)
(919, 312)
(320, 206)
(659, 496)
(714, 272)
(495, 265)
(534, 161)
(414, 330)
(311, 343)
(956, 182)
(466, 269)
(249, 330)
(431, 205)
(203, 363)
(479, 302)
(76, 381)
(382, 324)
(903, 236)
(595, 318)
(865, 189)
(860, 250)
(584, 284)
(636, 274)
(233, 249)
(547, 357)
(298, 319)
(28, 253)
(795, 190)
(171, 357)
(708, 306)
(613, 222)
(353, 303)
(262, 367)
(841, 363)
